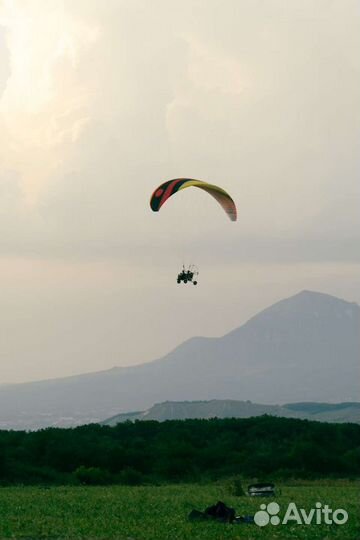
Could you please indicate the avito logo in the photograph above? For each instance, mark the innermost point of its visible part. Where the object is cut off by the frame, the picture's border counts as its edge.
(315, 516)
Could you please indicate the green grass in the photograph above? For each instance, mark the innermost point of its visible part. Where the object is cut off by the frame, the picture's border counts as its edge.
(160, 513)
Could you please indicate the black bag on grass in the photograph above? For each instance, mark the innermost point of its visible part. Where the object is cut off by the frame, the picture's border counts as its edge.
(218, 511)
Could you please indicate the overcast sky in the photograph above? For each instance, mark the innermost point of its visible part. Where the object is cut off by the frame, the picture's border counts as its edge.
(102, 101)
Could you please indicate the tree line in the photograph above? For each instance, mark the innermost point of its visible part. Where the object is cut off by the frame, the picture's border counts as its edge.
(180, 450)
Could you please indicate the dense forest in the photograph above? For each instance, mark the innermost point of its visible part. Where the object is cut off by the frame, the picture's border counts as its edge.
(185, 450)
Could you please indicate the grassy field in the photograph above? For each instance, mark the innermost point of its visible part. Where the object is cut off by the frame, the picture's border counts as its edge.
(160, 513)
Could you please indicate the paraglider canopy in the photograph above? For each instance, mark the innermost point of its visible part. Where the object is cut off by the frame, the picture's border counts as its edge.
(169, 188)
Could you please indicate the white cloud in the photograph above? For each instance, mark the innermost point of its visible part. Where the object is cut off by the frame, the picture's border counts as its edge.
(44, 105)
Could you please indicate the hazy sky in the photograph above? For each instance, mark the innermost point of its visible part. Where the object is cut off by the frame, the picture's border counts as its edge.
(100, 102)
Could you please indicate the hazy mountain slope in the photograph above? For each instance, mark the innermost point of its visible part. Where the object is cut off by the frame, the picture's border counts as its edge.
(170, 410)
(304, 348)
(327, 412)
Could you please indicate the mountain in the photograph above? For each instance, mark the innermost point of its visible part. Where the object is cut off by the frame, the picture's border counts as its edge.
(304, 348)
(171, 410)
(327, 412)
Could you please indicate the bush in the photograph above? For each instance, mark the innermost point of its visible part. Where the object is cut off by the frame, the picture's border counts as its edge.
(131, 477)
(92, 476)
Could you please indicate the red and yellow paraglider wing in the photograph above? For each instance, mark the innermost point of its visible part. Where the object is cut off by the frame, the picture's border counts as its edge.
(169, 188)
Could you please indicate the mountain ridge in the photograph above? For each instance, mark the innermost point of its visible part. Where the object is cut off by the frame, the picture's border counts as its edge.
(303, 348)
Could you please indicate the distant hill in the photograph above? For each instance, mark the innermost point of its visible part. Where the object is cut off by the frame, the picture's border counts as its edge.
(170, 410)
(304, 348)
(327, 412)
